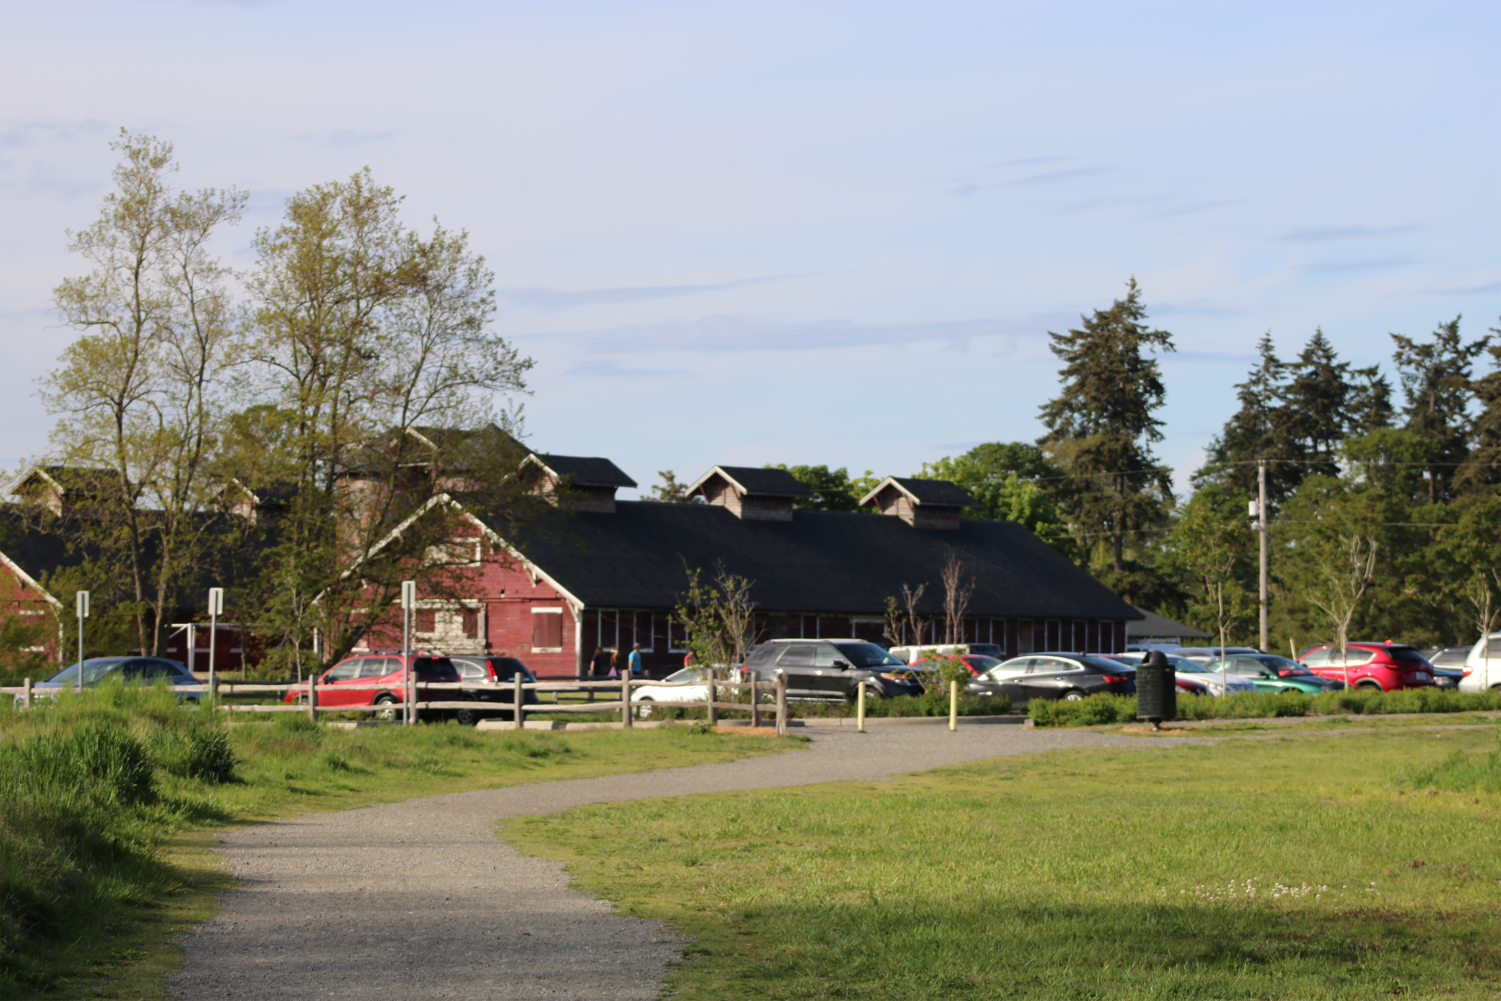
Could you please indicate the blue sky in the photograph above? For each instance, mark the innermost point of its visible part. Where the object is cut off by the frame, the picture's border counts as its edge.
(810, 232)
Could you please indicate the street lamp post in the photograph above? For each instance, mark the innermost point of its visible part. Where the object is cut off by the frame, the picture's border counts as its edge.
(1258, 511)
(81, 609)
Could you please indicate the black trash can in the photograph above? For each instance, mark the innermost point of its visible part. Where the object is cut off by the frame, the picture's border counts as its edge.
(1156, 690)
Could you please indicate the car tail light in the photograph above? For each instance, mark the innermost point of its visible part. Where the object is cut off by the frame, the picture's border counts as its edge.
(1115, 679)
(1467, 672)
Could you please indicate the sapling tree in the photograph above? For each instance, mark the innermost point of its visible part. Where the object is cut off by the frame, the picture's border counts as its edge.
(958, 587)
(717, 617)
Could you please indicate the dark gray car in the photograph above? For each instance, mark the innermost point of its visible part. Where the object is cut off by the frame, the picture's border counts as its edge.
(829, 670)
(1067, 676)
(140, 670)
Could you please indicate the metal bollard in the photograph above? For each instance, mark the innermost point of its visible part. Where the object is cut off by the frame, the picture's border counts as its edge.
(518, 713)
(953, 705)
(713, 712)
(755, 694)
(625, 698)
(860, 706)
(781, 704)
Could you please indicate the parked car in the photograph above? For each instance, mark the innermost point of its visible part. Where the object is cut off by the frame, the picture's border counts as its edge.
(690, 693)
(1185, 685)
(978, 664)
(829, 670)
(912, 654)
(1383, 666)
(494, 682)
(1204, 654)
(1446, 656)
(132, 670)
(1482, 672)
(381, 681)
(1218, 684)
(1270, 673)
(1051, 676)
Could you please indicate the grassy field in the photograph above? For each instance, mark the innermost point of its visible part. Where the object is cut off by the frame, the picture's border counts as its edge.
(107, 805)
(1097, 709)
(1296, 865)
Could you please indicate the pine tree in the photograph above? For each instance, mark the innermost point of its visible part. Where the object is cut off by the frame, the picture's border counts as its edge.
(1101, 427)
(1437, 387)
(1483, 468)
(1253, 433)
(1315, 413)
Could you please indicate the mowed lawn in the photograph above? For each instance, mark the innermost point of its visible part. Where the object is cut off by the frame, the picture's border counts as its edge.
(1298, 866)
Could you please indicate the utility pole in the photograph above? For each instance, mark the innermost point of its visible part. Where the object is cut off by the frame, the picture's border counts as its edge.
(1261, 528)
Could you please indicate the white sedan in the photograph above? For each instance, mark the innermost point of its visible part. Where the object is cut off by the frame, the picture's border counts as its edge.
(1185, 668)
(660, 693)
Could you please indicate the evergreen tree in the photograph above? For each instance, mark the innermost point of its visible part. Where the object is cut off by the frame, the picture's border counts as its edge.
(1483, 470)
(1254, 433)
(1437, 387)
(1315, 413)
(1100, 429)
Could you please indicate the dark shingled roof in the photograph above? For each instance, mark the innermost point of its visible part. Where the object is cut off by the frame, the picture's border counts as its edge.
(821, 561)
(939, 492)
(1157, 625)
(587, 471)
(757, 482)
(35, 552)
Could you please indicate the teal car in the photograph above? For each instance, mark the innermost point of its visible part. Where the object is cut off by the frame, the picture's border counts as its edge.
(1270, 673)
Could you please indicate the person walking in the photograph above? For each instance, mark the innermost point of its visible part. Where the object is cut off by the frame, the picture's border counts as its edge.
(597, 665)
(614, 663)
(635, 660)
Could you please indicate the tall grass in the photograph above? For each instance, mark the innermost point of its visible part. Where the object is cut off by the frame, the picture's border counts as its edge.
(1459, 772)
(82, 814)
(1099, 709)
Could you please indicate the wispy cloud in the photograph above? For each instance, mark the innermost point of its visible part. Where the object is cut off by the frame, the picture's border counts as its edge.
(1485, 289)
(1317, 234)
(972, 187)
(1188, 208)
(732, 334)
(18, 134)
(556, 299)
(1193, 307)
(607, 368)
(341, 138)
(1331, 267)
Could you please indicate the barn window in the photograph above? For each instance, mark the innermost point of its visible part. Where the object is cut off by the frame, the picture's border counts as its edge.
(547, 630)
(471, 623)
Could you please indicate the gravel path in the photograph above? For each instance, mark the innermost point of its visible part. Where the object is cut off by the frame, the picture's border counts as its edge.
(420, 900)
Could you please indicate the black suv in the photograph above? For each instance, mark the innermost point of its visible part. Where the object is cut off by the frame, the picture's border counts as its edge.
(830, 669)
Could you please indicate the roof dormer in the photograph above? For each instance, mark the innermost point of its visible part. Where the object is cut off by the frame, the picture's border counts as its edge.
(920, 503)
(751, 494)
(66, 489)
(578, 482)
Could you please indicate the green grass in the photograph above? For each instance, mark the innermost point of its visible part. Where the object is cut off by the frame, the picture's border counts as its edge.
(107, 801)
(1099, 709)
(1090, 873)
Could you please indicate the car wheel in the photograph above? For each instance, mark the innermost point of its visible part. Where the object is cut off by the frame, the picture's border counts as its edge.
(466, 717)
(872, 692)
(1370, 686)
(388, 709)
(1073, 695)
(644, 712)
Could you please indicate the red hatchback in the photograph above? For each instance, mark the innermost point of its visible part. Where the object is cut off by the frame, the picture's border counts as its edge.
(1383, 666)
(378, 680)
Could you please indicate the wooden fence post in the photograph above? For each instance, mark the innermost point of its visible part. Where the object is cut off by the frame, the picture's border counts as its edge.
(625, 698)
(755, 701)
(518, 715)
(781, 704)
(713, 712)
(26, 693)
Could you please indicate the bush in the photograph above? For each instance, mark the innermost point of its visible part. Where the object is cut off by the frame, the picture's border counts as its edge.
(1099, 709)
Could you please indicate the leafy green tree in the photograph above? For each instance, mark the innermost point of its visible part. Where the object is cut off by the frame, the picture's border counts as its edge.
(1473, 548)
(832, 489)
(1334, 529)
(1100, 429)
(1012, 481)
(1214, 549)
(670, 491)
(1437, 385)
(140, 393)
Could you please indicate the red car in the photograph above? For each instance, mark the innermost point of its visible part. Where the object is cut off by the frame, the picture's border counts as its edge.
(1382, 666)
(386, 674)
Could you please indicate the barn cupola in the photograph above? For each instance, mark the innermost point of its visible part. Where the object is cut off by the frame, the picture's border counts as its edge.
(68, 490)
(920, 503)
(577, 482)
(751, 494)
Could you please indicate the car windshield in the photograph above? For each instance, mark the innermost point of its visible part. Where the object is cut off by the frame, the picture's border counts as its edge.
(93, 670)
(436, 667)
(1185, 666)
(1100, 664)
(1405, 653)
(686, 674)
(1285, 668)
(508, 667)
(982, 663)
(867, 655)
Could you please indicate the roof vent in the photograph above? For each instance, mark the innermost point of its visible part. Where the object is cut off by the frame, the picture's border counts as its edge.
(920, 503)
(751, 494)
(577, 482)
